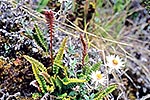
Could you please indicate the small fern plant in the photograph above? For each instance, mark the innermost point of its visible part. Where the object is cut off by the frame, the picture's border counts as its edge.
(59, 82)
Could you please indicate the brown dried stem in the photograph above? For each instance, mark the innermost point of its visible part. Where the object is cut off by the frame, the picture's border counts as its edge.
(84, 52)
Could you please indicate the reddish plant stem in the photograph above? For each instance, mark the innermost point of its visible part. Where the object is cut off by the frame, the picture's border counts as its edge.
(84, 51)
(50, 21)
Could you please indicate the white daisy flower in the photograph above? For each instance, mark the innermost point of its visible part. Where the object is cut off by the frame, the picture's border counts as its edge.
(98, 78)
(114, 63)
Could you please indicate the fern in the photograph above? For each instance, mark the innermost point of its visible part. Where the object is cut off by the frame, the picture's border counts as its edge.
(59, 57)
(39, 38)
(36, 96)
(60, 53)
(73, 80)
(46, 77)
(36, 67)
(50, 88)
(42, 84)
(58, 83)
(67, 81)
(96, 66)
(87, 70)
(39, 65)
(69, 86)
(102, 94)
(49, 79)
(65, 69)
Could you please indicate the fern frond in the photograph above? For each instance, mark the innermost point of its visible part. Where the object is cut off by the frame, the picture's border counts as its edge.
(69, 86)
(35, 67)
(73, 80)
(39, 38)
(58, 83)
(46, 77)
(43, 85)
(39, 79)
(65, 68)
(87, 70)
(96, 66)
(102, 94)
(38, 64)
(59, 56)
(67, 81)
(50, 88)
(60, 53)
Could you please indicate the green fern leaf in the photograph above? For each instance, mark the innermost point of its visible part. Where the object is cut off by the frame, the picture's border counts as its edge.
(96, 66)
(50, 88)
(49, 79)
(87, 70)
(46, 76)
(38, 64)
(69, 86)
(36, 67)
(60, 53)
(58, 83)
(39, 38)
(67, 81)
(59, 57)
(65, 69)
(43, 85)
(74, 80)
(102, 94)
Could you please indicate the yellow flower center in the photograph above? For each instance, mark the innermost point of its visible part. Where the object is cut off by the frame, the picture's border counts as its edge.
(99, 76)
(115, 62)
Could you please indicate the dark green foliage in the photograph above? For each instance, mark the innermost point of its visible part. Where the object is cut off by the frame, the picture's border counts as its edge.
(87, 69)
(103, 93)
(69, 86)
(58, 83)
(43, 85)
(96, 66)
(39, 38)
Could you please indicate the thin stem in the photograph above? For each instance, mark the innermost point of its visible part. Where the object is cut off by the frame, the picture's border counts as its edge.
(84, 52)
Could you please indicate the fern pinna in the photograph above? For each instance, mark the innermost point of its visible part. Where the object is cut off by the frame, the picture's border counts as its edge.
(49, 15)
